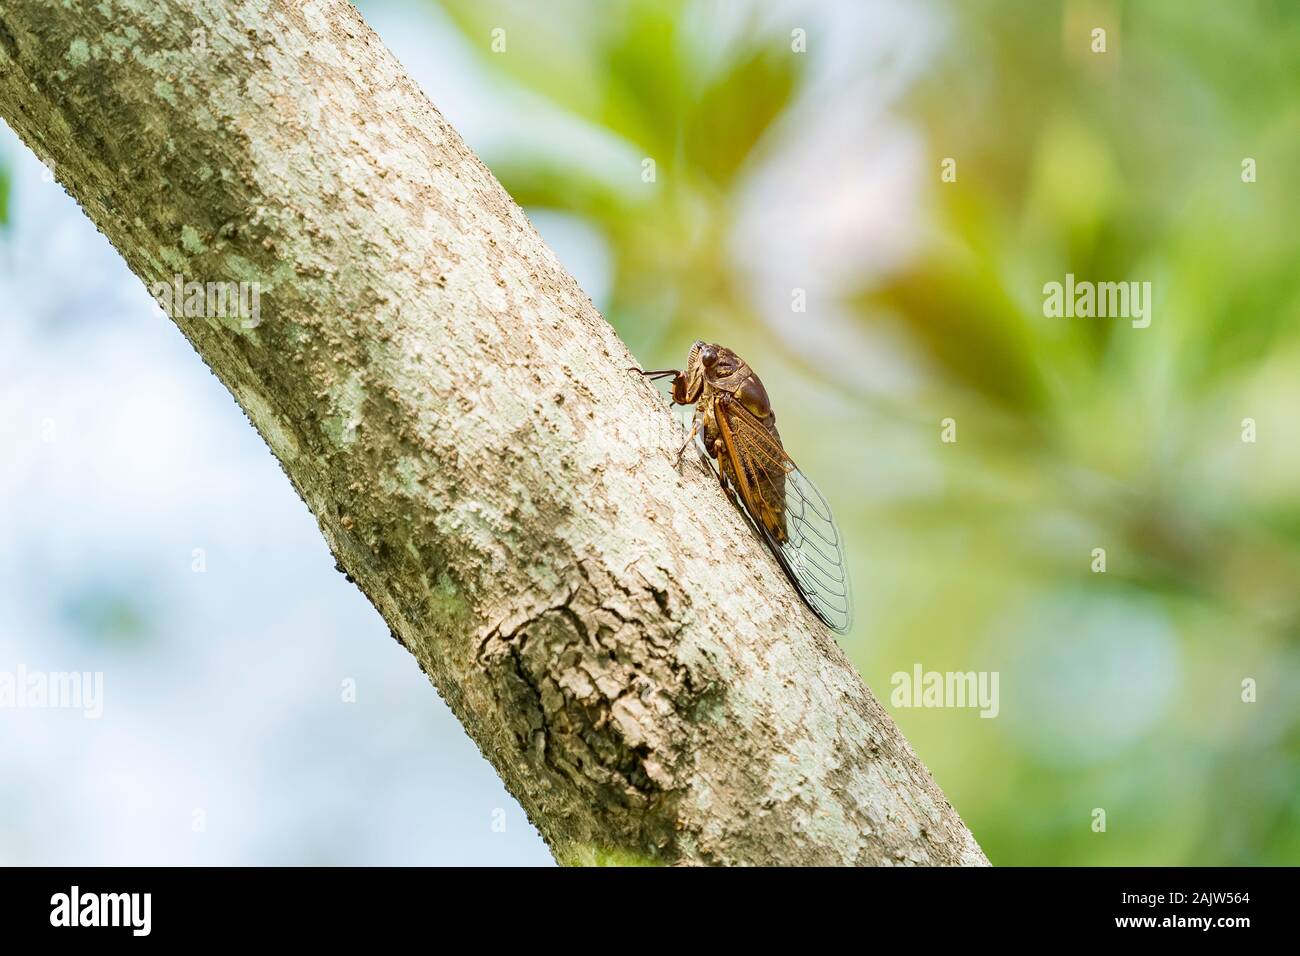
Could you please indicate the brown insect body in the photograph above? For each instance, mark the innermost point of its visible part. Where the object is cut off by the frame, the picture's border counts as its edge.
(736, 426)
(727, 378)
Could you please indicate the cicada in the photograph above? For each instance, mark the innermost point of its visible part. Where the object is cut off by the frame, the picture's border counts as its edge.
(736, 428)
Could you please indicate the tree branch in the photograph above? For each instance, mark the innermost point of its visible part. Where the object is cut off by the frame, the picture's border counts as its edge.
(458, 417)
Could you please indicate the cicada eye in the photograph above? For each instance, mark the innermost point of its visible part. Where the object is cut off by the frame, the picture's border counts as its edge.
(709, 356)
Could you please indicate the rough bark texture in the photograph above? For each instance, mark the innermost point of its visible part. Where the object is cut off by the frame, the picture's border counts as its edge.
(458, 417)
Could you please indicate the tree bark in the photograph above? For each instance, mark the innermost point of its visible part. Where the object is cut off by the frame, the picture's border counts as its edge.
(460, 420)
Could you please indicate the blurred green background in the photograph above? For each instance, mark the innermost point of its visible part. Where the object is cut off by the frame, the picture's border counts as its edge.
(778, 170)
(797, 213)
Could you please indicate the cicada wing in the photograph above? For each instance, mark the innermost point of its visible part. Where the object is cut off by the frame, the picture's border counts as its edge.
(813, 552)
(791, 515)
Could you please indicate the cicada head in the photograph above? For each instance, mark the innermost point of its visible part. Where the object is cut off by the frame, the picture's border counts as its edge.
(721, 367)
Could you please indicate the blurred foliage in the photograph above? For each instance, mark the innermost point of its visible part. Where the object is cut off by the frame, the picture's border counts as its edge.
(639, 73)
(108, 612)
(1121, 690)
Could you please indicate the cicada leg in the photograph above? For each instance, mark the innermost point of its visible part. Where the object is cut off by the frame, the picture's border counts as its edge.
(682, 393)
(690, 437)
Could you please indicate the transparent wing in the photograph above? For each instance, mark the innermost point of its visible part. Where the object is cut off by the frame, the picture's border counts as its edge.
(813, 553)
(791, 514)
